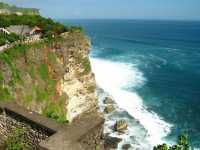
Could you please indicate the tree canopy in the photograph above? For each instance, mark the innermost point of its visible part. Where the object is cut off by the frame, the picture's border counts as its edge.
(182, 144)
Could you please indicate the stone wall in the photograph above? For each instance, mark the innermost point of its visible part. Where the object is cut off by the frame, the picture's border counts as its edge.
(85, 133)
(33, 135)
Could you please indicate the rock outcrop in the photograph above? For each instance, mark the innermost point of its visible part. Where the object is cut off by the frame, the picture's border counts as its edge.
(111, 142)
(108, 100)
(121, 126)
(109, 109)
(78, 81)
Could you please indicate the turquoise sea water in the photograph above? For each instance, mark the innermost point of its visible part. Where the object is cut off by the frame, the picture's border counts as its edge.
(152, 69)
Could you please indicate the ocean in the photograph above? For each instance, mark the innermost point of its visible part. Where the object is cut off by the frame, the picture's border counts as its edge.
(152, 71)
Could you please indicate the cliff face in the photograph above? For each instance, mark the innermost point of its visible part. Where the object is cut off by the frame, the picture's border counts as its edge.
(53, 78)
(78, 81)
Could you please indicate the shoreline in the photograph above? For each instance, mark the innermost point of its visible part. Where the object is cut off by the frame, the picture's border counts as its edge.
(129, 137)
(145, 128)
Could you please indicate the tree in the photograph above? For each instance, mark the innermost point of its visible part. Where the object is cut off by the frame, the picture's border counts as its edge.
(161, 147)
(182, 144)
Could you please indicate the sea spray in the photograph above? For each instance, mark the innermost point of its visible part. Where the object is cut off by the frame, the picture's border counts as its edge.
(116, 79)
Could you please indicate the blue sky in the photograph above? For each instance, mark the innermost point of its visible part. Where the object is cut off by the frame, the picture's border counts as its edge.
(122, 9)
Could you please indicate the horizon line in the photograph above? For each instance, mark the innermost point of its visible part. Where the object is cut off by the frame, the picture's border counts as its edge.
(186, 20)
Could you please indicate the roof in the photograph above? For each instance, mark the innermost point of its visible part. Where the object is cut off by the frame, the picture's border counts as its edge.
(35, 29)
(19, 29)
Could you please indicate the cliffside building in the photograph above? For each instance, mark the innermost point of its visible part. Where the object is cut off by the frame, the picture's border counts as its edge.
(26, 31)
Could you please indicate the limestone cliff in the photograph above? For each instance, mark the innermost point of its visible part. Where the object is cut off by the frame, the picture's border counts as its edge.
(53, 77)
(78, 82)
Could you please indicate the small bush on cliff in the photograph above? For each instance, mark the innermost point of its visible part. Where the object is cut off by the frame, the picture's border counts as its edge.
(86, 65)
(76, 29)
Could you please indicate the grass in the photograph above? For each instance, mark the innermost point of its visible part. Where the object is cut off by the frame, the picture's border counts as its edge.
(56, 111)
(5, 95)
(44, 72)
(15, 72)
(41, 94)
(17, 141)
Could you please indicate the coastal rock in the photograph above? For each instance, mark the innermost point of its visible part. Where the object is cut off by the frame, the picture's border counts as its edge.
(121, 126)
(111, 142)
(126, 146)
(108, 109)
(108, 100)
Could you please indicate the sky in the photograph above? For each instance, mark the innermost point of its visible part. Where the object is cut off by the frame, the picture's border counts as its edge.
(115, 9)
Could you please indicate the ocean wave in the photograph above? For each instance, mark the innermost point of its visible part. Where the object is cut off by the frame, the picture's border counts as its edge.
(116, 78)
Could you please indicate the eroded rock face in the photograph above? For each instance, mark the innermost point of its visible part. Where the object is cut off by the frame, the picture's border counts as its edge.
(109, 109)
(108, 100)
(111, 142)
(126, 146)
(78, 81)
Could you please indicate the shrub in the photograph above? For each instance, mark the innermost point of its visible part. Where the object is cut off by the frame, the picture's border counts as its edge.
(2, 41)
(182, 144)
(76, 29)
(8, 38)
(161, 147)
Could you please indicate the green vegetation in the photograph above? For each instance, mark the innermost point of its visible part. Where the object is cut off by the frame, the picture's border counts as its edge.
(43, 70)
(14, 9)
(53, 111)
(8, 57)
(182, 144)
(17, 141)
(8, 38)
(49, 27)
(76, 29)
(40, 88)
(86, 65)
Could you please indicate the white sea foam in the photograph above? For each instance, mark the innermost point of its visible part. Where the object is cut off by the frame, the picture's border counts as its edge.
(115, 78)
